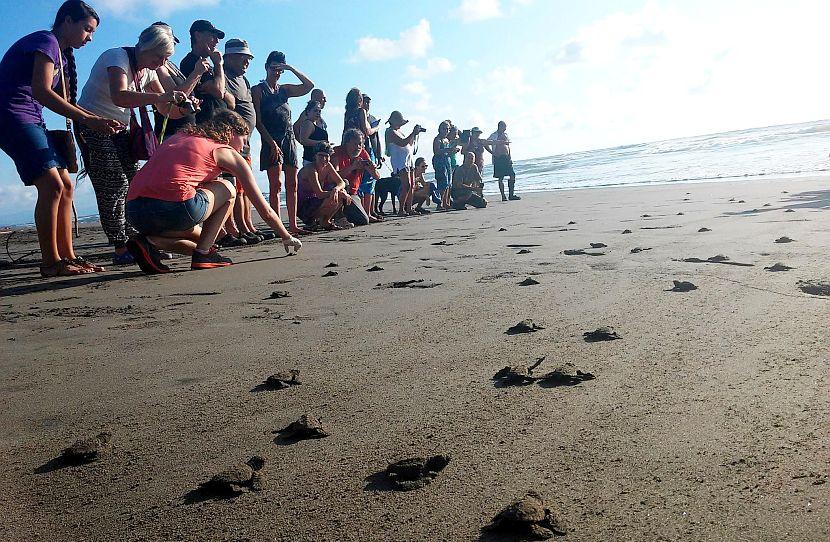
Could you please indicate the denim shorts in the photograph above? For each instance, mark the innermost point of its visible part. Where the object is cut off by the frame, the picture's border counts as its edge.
(367, 185)
(29, 148)
(152, 216)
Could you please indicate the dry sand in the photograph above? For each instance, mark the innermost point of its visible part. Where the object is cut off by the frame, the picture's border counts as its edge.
(708, 420)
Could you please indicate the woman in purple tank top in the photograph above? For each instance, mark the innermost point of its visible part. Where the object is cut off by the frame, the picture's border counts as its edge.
(39, 71)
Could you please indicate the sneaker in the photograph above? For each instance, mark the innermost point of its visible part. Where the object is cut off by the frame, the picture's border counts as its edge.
(266, 235)
(343, 223)
(250, 238)
(230, 241)
(123, 259)
(146, 256)
(514, 197)
(211, 260)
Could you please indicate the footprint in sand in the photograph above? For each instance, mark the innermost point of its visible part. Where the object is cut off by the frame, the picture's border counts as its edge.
(598, 245)
(814, 287)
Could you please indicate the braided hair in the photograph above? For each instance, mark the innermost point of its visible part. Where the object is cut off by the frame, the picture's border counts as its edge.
(76, 10)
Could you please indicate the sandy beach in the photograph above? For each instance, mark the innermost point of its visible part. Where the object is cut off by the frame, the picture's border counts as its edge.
(708, 420)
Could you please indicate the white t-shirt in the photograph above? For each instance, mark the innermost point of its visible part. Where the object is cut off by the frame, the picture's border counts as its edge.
(96, 93)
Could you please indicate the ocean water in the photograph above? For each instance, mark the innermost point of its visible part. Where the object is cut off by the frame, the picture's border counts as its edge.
(791, 150)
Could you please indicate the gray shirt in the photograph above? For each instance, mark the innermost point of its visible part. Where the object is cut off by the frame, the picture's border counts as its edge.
(240, 89)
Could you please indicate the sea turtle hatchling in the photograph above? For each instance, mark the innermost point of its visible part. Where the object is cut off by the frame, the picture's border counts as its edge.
(682, 286)
(517, 375)
(605, 333)
(283, 379)
(529, 518)
(525, 326)
(306, 427)
(416, 472)
(238, 478)
(565, 375)
(89, 449)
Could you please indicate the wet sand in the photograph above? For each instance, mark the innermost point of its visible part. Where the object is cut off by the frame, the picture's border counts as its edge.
(707, 420)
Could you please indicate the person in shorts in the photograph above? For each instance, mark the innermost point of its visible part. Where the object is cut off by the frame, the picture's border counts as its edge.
(321, 192)
(502, 162)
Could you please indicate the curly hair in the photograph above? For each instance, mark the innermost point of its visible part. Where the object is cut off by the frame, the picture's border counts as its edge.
(221, 127)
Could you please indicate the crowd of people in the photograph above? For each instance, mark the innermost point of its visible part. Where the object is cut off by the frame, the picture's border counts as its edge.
(194, 192)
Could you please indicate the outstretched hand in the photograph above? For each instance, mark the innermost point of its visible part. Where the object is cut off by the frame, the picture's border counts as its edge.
(292, 242)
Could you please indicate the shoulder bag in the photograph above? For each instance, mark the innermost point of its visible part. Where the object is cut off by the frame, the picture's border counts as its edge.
(142, 139)
(62, 141)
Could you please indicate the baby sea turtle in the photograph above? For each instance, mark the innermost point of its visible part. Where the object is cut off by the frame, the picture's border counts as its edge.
(573, 252)
(283, 379)
(605, 333)
(529, 282)
(718, 258)
(525, 326)
(627, 231)
(416, 472)
(306, 427)
(331, 274)
(646, 216)
(524, 251)
(517, 375)
(598, 245)
(565, 375)
(767, 205)
(741, 201)
(784, 239)
(279, 294)
(680, 213)
(332, 264)
(238, 478)
(637, 250)
(790, 211)
(502, 229)
(89, 449)
(778, 267)
(528, 517)
(571, 223)
(682, 286)
(703, 230)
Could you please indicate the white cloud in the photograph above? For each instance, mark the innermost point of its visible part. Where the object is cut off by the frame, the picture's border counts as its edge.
(479, 10)
(503, 85)
(420, 93)
(411, 43)
(159, 8)
(434, 66)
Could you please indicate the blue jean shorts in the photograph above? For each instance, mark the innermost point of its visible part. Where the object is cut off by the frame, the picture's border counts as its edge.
(29, 148)
(152, 216)
(367, 185)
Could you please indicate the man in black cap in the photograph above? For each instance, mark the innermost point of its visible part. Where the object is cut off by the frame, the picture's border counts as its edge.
(204, 37)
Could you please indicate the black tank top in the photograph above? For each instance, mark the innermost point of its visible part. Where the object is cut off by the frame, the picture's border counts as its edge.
(319, 134)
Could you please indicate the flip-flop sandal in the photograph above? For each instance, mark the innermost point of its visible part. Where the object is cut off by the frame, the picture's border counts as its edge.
(80, 261)
(62, 268)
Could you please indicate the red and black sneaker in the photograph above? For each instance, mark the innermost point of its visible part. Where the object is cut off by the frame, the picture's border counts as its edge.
(211, 260)
(146, 256)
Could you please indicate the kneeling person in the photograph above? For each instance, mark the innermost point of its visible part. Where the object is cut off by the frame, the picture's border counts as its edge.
(321, 192)
(177, 202)
(466, 185)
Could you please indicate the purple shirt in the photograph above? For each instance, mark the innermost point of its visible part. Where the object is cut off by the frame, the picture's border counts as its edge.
(16, 68)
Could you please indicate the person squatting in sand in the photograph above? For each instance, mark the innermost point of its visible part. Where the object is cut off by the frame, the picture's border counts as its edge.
(502, 161)
(321, 192)
(352, 161)
(177, 202)
(423, 189)
(466, 185)
(39, 71)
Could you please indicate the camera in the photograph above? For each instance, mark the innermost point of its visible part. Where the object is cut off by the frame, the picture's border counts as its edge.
(188, 106)
(420, 129)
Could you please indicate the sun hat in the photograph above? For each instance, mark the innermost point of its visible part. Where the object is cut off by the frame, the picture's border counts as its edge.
(236, 46)
(397, 117)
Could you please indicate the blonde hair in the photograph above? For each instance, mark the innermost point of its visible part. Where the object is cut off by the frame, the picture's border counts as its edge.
(156, 38)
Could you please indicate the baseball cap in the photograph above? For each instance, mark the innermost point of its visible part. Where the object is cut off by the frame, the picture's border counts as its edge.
(162, 23)
(237, 46)
(206, 26)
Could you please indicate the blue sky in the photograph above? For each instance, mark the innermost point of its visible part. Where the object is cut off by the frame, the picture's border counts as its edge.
(565, 76)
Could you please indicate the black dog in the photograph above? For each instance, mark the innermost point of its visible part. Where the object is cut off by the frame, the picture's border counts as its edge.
(388, 186)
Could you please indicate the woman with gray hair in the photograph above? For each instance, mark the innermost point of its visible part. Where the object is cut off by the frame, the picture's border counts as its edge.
(123, 78)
